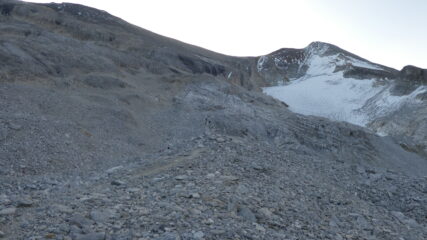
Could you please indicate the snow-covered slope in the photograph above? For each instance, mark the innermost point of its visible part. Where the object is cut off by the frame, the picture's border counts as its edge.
(335, 84)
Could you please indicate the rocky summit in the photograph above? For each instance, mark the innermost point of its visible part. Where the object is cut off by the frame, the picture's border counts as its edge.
(112, 132)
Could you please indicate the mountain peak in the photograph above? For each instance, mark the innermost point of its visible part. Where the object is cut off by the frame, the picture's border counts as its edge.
(320, 45)
(318, 58)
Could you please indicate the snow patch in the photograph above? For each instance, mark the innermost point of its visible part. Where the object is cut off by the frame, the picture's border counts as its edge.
(335, 97)
(261, 61)
(229, 75)
(358, 63)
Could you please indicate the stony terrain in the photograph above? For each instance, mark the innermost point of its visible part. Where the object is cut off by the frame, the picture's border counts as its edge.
(108, 131)
(223, 188)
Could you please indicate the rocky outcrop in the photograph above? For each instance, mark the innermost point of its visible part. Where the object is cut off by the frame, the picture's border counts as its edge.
(414, 74)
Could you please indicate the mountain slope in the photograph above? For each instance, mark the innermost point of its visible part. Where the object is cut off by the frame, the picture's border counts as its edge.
(109, 131)
(326, 81)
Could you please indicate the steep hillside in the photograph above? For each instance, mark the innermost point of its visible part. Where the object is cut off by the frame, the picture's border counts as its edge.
(109, 131)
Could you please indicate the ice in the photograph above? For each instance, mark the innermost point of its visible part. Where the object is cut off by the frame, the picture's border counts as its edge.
(332, 97)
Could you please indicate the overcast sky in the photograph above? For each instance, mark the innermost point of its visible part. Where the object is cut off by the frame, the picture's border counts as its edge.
(389, 32)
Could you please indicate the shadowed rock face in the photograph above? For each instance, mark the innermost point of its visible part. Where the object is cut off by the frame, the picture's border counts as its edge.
(414, 74)
(409, 79)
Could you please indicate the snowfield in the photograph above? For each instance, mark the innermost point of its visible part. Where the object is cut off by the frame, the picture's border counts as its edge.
(325, 93)
(327, 96)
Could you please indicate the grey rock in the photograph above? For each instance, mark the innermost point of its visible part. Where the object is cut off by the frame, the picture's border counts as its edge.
(404, 219)
(80, 221)
(181, 177)
(4, 200)
(259, 227)
(75, 230)
(7, 211)
(246, 213)
(218, 231)
(194, 195)
(362, 223)
(229, 178)
(62, 208)
(210, 175)
(114, 169)
(35, 238)
(2, 234)
(198, 235)
(334, 222)
(264, 213)
(117, 183)
(90, 236)
(195, 211)
(15, 126)
(168, 236)
(24, 202)
(102, 216)
(133, 190)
